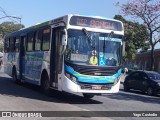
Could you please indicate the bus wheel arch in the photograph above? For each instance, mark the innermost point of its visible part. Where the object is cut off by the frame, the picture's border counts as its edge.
(45, 83)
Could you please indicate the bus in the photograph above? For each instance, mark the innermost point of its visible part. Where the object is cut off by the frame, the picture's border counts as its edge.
(74, 53)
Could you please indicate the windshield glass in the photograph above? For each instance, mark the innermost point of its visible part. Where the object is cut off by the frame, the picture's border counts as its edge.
(93, 49)
(154, 76)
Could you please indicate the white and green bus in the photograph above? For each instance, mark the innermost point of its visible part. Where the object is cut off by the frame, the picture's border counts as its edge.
(73, 53)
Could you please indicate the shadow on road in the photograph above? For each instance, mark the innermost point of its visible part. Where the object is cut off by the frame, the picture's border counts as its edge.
(9, 88)
(135, 95)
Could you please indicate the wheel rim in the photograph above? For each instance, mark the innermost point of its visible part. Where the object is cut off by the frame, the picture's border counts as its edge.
(150, 91)
(46, 85)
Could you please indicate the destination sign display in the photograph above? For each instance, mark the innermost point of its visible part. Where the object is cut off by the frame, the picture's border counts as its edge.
(96, 23)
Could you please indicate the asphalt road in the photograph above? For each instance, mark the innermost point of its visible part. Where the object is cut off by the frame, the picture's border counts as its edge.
(27, 97)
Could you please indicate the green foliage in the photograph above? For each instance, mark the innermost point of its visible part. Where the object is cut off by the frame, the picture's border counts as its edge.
(148, 11)
(7, 27)
(1, 45)
(135, 36)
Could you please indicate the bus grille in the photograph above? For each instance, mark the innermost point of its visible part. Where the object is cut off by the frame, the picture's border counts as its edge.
(94, 70)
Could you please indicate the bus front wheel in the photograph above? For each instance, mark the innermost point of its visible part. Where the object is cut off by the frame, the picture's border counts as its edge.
(88, 96)
(45, 86)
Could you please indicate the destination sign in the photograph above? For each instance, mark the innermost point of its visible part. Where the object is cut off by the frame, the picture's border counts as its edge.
(96, 23)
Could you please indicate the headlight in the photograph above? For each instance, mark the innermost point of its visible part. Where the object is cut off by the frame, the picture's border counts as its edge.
(71, 77)
(116, 80)
(74, 79)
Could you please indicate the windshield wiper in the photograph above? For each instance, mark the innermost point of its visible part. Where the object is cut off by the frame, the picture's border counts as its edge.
(86, 34)
(89, 39)
(110, 34)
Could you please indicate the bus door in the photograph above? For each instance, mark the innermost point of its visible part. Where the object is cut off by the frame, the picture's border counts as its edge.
(56, 57)
(22, 57)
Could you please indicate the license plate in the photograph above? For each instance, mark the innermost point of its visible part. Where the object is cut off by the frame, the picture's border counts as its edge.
(96, 87)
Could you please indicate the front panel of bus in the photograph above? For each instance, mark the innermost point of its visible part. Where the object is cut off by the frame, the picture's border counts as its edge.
(92, 59)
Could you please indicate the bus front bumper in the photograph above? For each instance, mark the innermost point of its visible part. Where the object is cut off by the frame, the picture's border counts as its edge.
(71, 87)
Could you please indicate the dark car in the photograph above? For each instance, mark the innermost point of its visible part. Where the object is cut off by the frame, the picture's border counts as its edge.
(145, 81)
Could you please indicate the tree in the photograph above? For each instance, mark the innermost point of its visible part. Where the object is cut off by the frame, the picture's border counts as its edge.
(7, 27)
(135, 36)
(149, 12)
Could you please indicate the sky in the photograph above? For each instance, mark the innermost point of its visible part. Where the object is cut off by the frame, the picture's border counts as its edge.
(37, 11)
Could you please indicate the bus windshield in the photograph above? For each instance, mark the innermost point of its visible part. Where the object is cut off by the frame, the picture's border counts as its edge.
(93, 49)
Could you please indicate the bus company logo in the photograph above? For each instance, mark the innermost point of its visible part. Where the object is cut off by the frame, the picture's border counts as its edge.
(6, 114)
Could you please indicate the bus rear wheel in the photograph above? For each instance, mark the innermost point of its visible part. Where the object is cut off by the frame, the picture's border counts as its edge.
(87, 95)
(14, 76)
(45, 86)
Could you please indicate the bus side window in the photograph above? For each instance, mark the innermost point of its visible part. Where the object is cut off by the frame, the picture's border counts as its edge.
(11, 44)
(30, 41)
(46, 38)
(17, 44)
(14, 44)
(6, 45)
(38, 39)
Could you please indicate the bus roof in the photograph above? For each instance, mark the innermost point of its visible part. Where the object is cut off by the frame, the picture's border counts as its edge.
(24, 30)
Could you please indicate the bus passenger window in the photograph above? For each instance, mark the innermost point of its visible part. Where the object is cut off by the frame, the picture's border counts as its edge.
(14, 44)
(38, 39)
(6, 45)
(30, 42)
(17, 44)
(46, 38)
(11, 44)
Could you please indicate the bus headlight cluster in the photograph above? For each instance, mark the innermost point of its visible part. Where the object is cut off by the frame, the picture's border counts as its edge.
(71, 77)
(116, 80)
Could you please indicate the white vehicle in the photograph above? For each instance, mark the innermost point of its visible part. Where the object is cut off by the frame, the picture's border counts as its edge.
(72, 53)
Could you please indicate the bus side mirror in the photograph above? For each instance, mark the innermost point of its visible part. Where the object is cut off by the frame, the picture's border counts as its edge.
(64, 38)
(123, 48)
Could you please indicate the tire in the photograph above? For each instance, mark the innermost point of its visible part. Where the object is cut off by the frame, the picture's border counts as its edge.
(150, 91)
(45, 85)
(14, 76)
(88, 96)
